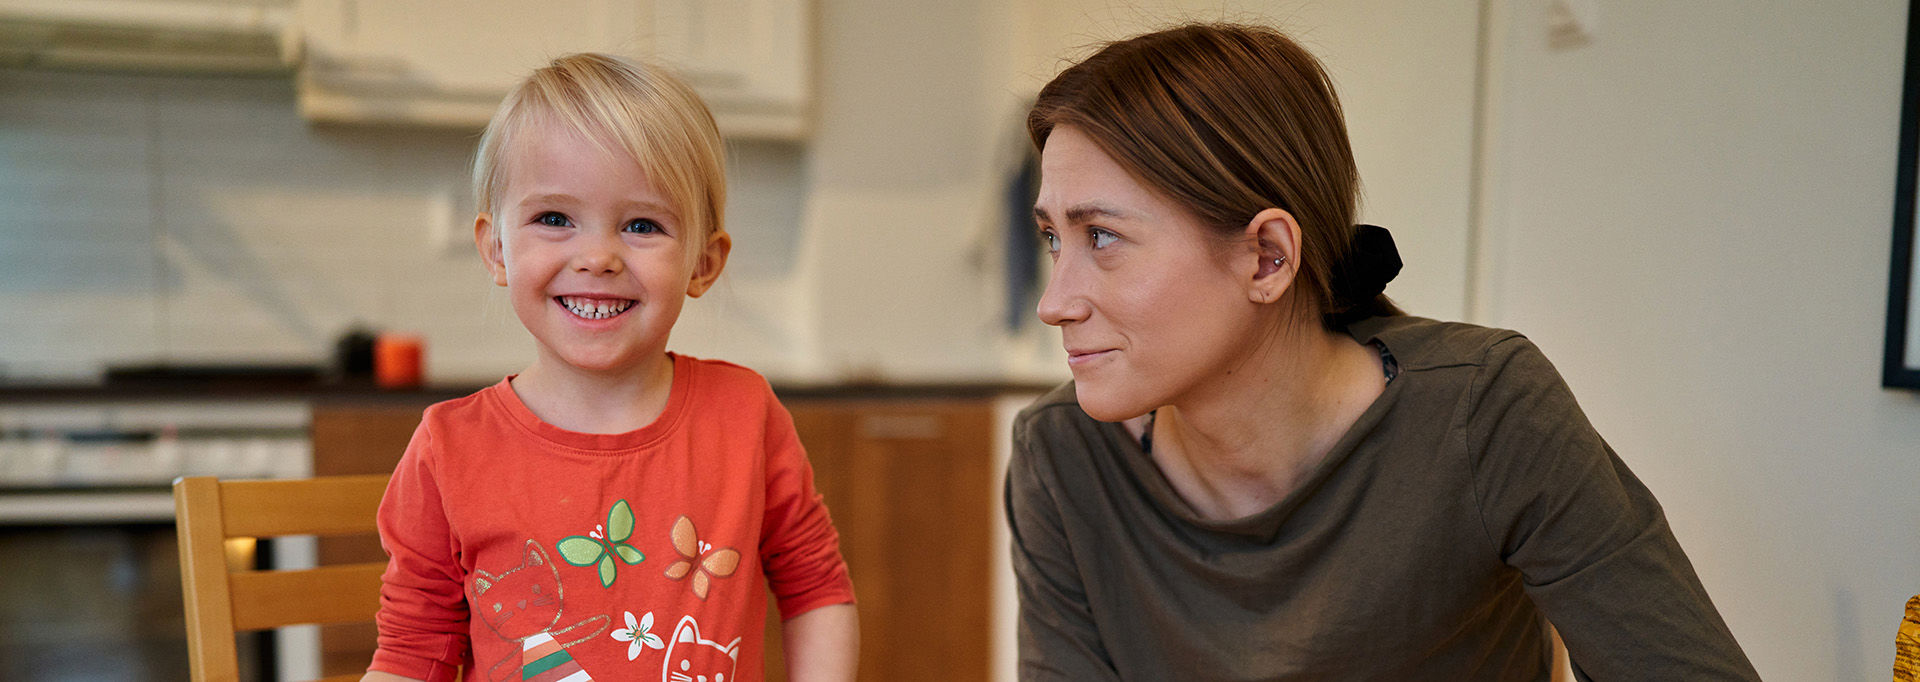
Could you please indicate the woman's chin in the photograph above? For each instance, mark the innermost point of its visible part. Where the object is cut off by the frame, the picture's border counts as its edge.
(1108, 408)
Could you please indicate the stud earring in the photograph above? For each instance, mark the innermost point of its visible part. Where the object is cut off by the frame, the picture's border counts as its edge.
(1278, 261)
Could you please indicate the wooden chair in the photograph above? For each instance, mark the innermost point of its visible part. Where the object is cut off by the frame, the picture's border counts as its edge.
(221, 602)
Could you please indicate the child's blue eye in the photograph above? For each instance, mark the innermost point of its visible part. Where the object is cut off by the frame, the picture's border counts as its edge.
(643, 226)
(551, 219)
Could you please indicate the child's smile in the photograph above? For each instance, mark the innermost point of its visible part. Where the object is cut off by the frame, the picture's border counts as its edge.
(594, 308)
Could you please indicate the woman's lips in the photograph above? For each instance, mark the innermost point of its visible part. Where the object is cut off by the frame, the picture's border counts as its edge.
(1079, 358)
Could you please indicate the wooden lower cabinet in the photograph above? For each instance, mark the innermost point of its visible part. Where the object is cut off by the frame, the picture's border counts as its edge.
(356, 439)
(909, 483)
(911, 491)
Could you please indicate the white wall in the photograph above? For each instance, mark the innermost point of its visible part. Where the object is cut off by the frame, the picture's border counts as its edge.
(1691, 214)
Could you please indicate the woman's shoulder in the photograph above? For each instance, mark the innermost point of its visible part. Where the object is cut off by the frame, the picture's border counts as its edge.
(1419, 343)
(1054, 427)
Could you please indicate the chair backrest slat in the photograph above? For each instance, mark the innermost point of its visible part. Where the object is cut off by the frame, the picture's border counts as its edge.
(325, 595)
(334, 505)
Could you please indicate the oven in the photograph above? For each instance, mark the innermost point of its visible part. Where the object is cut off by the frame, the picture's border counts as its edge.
(89, 568)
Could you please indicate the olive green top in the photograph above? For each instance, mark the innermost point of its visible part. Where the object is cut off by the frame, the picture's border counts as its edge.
(1469, 502)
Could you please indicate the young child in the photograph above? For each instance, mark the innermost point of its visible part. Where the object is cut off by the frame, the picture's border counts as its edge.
(614, 511)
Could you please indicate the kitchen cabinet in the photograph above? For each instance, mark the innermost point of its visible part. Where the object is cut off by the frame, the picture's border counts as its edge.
(910, 484)
(356, 437)
(911, 488)
(437, 63)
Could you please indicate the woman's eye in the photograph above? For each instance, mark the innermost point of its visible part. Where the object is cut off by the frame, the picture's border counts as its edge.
(1051, 240)
(551, 219)
(643, 226)
(1102, 238)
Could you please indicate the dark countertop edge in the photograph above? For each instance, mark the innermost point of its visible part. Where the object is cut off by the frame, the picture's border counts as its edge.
(362, 392)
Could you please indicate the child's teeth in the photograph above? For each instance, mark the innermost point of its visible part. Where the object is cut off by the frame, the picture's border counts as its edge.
(592, 309)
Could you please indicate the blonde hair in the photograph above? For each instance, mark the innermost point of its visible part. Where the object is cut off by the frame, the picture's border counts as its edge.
(624, 106)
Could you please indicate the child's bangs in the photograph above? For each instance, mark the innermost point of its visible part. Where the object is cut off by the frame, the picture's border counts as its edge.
(638, 120)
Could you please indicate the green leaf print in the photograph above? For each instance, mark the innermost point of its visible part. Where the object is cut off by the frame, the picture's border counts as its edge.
(579, 550)
(619, 522)
(606, 571)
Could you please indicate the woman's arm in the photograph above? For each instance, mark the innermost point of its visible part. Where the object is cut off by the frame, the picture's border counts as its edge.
(377, 676)
(822, 645)
(1592, 544)
(1057, 637)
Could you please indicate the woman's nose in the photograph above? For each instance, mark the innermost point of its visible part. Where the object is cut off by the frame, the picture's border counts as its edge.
(1064, 301)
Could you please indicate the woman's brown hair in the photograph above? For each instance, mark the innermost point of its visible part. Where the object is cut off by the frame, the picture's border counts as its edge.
(1228, 120)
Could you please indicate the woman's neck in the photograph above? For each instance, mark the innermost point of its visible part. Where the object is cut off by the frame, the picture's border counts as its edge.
(1245, 440)
(595, 402)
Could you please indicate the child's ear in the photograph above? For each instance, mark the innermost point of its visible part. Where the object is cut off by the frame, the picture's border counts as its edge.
(487, 240)
(712, 259)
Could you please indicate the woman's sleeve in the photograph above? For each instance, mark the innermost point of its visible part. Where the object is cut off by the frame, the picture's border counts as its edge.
(799, 548)
(1589, 539)
(423, 614)
(1057, 636)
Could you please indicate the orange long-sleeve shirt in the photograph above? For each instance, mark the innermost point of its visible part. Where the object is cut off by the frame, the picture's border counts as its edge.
(525, 551)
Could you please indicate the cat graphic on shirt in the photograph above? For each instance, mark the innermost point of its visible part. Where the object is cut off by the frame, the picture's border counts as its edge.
(524, 601)
(693, 659)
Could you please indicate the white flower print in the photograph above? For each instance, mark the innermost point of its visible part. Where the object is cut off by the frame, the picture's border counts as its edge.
(637, 634)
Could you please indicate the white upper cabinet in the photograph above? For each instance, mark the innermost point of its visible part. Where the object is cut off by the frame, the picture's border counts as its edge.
(449, 62)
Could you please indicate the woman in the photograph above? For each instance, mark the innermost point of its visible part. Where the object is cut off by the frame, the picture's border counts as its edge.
(1265, 470)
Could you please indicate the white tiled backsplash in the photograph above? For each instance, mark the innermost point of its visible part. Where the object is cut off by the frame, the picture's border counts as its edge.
(190, 220)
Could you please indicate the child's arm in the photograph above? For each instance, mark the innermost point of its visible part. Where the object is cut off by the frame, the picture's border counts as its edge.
(423, 617)
(822, 645)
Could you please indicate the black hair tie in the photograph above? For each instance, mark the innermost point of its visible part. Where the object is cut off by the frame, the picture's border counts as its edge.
(1373, 263)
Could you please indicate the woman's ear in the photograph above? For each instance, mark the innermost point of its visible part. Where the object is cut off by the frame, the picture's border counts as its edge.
(1275, 236)
(707, 267)
(487, 240)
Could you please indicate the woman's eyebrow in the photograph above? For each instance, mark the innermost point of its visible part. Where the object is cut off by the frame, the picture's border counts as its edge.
(1082, 213)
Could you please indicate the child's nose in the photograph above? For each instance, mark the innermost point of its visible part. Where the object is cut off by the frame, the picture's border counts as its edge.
(597, 257)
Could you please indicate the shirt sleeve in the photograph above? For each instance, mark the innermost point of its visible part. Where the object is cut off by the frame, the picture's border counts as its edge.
(1057, 638)
(799, 548)
(423, 616)
(1590, 541)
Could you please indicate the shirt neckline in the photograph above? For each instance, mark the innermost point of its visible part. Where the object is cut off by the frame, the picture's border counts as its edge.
(1265, 524)
(678, 393)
